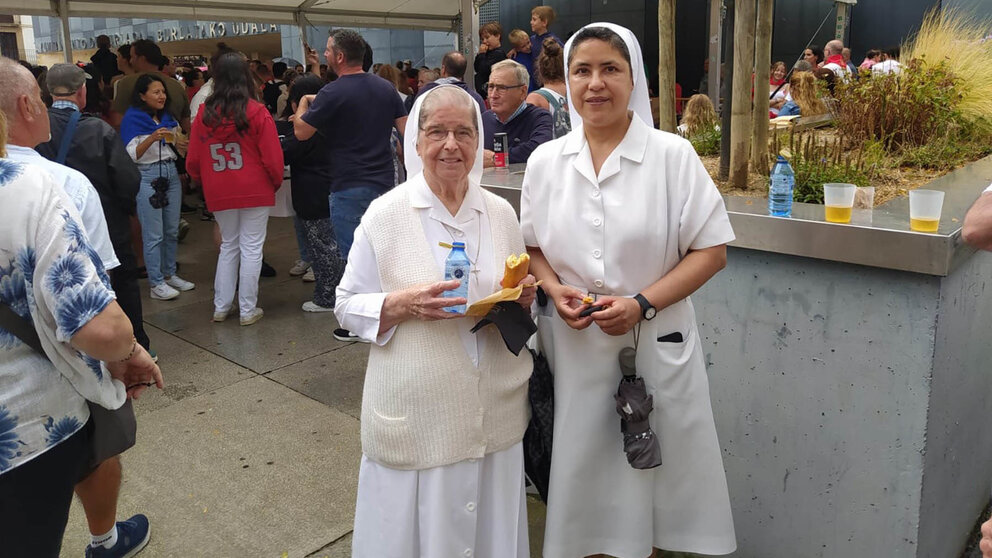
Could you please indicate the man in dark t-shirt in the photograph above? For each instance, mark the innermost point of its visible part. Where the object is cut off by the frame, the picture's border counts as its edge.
(356, 114)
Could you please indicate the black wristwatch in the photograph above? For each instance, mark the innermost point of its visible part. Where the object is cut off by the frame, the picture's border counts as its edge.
(647, 311)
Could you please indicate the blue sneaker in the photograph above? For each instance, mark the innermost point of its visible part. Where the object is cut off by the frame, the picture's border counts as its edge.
(132, 537)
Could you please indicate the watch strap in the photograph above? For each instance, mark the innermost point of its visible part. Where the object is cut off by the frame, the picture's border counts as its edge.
(645, 304)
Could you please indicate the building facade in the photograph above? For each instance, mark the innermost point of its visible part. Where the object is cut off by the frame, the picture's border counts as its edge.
(199, 38)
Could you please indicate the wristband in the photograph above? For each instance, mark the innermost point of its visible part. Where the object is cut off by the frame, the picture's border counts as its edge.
(134, 348)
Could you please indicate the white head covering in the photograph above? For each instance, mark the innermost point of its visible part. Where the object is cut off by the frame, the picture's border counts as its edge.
(414, 165)
(640, 102)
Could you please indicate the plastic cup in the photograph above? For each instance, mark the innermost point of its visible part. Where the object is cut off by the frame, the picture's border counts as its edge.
(924, 210)
(838, 200)
(170, 136)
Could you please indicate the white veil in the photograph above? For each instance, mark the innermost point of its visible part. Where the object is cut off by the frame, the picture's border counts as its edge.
(414, 165)
(640, 102)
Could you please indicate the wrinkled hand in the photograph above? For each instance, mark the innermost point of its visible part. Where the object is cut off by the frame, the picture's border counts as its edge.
(568, 302)
(528, 295)
(986, 544)
(488, 158)
(620, 315)
(136, 372)
(426, 302)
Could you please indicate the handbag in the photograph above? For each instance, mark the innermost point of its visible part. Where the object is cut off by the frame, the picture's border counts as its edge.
(114, 431)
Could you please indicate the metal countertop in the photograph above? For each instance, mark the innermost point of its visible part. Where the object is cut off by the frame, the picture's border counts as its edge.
(879, 238)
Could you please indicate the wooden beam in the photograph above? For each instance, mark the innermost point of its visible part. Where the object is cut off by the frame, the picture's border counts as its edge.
(762, 68)
(716, 38)
(726, 90)
(66, 39)
(666, 66)
(741, 120)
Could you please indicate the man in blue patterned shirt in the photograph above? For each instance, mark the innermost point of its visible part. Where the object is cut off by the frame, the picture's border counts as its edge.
(53, 279)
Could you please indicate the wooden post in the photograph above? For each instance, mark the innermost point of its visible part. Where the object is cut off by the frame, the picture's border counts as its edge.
(726, 90)
(716, 37)
(762, 67)
(666, 66)
(740, 116)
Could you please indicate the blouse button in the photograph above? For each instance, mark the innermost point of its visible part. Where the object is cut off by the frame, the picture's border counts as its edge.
(595, 193)
(597, 221)
(596, 254)
(468, 553)
(598, 283)
(470, 506)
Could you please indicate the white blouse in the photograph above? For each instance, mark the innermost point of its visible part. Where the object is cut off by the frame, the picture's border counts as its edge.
(651, 203)
(359, 295)
(156, 152)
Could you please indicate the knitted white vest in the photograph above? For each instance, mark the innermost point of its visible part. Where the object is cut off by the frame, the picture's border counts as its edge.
(425, 404)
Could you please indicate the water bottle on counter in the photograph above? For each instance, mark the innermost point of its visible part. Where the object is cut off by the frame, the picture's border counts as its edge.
(783, 181)
(457, 267)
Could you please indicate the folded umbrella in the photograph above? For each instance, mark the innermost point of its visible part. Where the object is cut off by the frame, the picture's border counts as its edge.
(634, 405)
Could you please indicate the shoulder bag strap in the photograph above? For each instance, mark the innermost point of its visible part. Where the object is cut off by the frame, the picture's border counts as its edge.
(70, 130)
(21, 328)
(551, 99)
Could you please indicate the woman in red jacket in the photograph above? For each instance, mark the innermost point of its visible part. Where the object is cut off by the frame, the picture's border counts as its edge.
(234, 152)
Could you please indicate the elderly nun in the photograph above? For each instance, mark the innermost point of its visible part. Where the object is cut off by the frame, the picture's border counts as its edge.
(443, 410)
(628, 214)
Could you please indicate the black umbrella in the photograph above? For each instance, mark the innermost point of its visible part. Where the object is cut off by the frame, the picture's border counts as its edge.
(634, 405)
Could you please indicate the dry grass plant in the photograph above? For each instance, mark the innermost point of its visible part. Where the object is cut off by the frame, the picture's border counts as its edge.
(958, 41)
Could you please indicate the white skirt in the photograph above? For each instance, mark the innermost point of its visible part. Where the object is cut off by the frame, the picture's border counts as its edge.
(474, 508)
(597, 502)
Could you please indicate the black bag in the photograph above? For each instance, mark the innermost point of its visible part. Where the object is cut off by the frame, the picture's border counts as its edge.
(540, 430)
(114, 431)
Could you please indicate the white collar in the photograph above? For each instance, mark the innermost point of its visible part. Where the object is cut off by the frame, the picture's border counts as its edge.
(632, 146)
(422, 197)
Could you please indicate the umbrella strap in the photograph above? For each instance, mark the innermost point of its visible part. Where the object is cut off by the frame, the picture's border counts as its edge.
(637, 334)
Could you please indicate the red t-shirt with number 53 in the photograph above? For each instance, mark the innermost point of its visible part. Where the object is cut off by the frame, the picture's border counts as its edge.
(238, 170)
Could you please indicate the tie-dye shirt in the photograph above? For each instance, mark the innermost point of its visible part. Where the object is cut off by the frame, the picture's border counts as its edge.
(52, 277)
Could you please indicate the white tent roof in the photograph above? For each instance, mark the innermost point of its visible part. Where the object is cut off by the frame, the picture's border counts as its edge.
(438, 15)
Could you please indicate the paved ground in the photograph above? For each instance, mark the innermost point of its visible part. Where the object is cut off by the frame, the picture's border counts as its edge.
(252, 449)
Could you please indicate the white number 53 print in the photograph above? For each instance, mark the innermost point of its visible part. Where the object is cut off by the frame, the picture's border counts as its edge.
(226, 156)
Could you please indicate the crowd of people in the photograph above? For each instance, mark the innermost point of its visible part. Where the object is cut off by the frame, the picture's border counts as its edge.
(385, 163)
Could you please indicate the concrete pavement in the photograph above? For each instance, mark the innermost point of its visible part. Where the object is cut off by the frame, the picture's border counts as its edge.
(252, 449)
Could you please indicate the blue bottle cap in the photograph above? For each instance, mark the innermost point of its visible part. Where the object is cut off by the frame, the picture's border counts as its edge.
(458, 245)
(781, 159)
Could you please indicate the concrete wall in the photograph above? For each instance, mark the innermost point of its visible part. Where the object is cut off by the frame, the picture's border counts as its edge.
(820, 378)
(957, 476)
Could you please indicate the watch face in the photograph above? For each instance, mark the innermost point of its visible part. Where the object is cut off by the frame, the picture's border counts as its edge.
(650, 312)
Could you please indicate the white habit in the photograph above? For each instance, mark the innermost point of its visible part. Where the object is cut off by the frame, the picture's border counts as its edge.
(616, 234)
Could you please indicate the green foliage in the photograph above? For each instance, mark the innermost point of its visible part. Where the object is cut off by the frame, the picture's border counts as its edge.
(899, 110)
(955, 146)
(817, 162)
(707, 142)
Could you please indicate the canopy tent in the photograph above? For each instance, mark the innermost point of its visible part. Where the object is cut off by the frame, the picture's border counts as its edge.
(431, 15)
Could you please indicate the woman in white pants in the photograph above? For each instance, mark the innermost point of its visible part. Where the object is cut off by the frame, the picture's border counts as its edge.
(234, 151)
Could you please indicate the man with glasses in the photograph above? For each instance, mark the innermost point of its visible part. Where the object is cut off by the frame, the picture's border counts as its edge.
(525, 126)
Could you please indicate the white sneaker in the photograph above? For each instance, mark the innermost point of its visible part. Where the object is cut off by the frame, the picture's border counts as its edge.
(220, 316)
(309, 277)
(255, 315)
(299, 268)
(311, 306)
(163, 292)
(179, 283)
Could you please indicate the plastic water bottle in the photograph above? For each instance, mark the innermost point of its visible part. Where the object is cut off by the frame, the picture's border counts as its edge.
(457, 267)
(783, 181)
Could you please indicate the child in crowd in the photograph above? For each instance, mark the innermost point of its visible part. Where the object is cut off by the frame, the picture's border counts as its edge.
(700, 117)
(541, 18)
(490, 52)
(523, 54)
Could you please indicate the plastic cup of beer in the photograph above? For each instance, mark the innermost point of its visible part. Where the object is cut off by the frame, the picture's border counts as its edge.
(924, 210)
(838, 201)
(170, 136)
